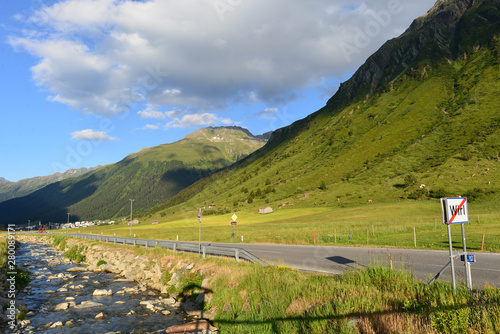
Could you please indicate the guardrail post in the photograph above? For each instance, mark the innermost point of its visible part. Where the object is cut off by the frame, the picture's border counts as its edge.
(146, 245)
(114, 242)
(204, 250)
(175, 247)
(237, 255)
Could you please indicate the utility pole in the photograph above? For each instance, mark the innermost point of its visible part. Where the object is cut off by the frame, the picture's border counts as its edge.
(67, 225)
(131, 201)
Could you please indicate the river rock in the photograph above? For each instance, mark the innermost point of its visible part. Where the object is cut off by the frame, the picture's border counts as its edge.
(87, 304)
(76, 269)
(193, 327)
(76, 287)
(99, 316)
(56, 324)
(69, 323)
(61, 307)
(103, 292)
(169, 301)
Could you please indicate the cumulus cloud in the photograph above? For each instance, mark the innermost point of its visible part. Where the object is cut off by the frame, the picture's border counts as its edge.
(268, 113)
(105, 56)
(91, 135)
(152, 111)
(151, 127)
(195, 120)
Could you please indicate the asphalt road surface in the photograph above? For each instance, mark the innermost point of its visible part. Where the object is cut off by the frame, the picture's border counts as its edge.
(424, 264)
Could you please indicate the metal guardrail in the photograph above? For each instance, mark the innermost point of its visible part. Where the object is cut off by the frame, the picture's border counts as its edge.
(237, 253)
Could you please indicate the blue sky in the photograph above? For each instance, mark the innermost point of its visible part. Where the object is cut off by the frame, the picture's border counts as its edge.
(87, 82)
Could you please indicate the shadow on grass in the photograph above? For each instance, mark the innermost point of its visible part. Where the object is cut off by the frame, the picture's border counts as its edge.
(459, 247)
(305, 320)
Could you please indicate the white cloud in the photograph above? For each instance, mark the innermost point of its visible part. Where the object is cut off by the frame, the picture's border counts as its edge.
(195, 120)
(268, 113)
(152, 111)
(103, 56)
(151, 127)
(91, 135)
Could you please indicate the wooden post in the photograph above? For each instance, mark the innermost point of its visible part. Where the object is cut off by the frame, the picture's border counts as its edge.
(414, 237)
(482, 245)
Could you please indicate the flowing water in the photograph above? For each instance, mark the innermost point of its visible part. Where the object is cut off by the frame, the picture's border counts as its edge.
(122, 311)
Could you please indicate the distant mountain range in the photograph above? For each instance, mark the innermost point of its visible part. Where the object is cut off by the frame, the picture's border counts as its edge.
(419, 120)
(9, 190)
(150, 177)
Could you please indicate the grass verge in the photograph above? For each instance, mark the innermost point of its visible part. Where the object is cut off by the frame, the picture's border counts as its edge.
(252, 299)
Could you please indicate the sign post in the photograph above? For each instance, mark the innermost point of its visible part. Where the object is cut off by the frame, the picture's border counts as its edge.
(234, 217)
(199, 232)
(455, 211)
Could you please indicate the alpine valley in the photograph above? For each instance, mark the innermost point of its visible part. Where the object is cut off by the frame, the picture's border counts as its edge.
(150, 176)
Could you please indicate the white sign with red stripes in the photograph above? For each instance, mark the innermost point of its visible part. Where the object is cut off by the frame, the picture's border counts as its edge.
(455, 210)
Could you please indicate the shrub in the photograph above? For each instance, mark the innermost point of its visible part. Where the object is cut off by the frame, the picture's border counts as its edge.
(419, 193)
(438, 193)
(59, 241)
(101, 262)
(75, 253)
(166, 277)
(410, 180)
(322, 186)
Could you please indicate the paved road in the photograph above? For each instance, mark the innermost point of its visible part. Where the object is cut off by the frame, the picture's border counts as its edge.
(424, 264)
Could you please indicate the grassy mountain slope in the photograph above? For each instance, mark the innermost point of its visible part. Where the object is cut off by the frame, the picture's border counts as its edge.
(420, 119)
(9, 190)
(150, 176)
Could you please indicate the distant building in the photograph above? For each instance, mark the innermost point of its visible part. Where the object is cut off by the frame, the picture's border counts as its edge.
(134, 222)
(266, 209)
(154, 222)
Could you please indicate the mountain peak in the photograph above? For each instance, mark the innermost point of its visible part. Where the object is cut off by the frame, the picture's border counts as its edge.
(439, 35)
(221, 131)
(3, 180)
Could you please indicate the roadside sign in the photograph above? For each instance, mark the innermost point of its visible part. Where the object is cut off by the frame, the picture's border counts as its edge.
(455, 210)
(234, 223)
(470, 258)
(199, 215)
(234, 217)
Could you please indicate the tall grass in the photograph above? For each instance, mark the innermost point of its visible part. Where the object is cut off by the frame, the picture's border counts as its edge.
(373, 300)
(3, 251)
(252, 299)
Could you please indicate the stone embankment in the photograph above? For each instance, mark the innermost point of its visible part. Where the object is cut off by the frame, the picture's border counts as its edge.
(182, 284)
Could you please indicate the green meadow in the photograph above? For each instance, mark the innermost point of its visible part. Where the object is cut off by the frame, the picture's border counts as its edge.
(384, 225)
